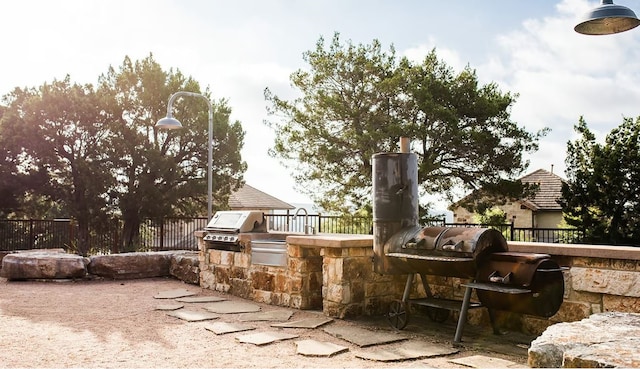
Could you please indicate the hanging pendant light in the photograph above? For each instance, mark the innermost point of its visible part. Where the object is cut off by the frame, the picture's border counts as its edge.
(607, 19)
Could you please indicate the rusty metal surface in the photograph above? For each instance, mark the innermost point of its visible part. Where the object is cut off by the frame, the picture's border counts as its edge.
(535, 272)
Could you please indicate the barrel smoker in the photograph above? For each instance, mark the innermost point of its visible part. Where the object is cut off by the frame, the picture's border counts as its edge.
(509, 281)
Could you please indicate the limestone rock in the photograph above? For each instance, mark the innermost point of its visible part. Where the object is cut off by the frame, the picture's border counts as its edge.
(43, 264)
(612, 282)
(605, 340)
(185, 267)
(131, 265)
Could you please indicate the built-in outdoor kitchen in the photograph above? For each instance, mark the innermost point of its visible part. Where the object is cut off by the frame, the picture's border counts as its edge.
(347, 275)
(238, 256)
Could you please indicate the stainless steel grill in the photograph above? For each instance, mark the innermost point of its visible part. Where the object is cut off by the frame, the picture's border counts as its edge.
(223, 230)
(516, 282)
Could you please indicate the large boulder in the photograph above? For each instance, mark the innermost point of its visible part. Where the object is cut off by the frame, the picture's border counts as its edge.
(43, 264)
(605, 340)
(186, 267)
(131, 265)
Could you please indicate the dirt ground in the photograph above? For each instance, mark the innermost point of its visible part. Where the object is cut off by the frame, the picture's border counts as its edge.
(115, 324)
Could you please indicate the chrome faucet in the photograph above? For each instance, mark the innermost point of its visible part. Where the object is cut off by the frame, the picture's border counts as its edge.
(306, 220)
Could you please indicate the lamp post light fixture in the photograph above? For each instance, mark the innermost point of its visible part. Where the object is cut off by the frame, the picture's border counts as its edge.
(169, 122)
(607, 19)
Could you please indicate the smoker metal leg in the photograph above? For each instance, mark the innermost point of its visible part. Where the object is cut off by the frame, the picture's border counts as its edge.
(463, 315)
(407, 288)
(425, 285)
(398, 315)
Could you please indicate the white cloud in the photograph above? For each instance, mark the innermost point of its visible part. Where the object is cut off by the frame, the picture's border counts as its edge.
(238, 48)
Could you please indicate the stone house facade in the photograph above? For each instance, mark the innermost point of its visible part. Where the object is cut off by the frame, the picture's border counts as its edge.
(541, 211)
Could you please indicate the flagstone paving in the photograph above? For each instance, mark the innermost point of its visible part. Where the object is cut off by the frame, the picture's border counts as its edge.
(390, 346)
(481, 361)
(364, 337)
(271, 316)
(407, 351)
(264, 338)
(225, 328)
(170, 306)
(304, 323)
(318, 348)
(193, 316)
(232, 307)
(172, 294)
(198, 299)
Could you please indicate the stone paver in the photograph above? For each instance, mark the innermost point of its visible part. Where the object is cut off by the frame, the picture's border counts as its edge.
(200, 299)
(407, 351)
(304, 323)
(193, 316)
(270, 316)
(232, 307)
(224, 328)
(169, 307)
(265, 338)
(318, 348)
(481, 361)
(172, 294)
(364, 337)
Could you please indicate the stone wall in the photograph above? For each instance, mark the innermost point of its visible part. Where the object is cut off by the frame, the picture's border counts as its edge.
(599, 279)
(335, 273)
(297, 285)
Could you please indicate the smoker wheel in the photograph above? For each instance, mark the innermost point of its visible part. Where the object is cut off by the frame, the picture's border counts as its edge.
(398, 315)
(437, 315)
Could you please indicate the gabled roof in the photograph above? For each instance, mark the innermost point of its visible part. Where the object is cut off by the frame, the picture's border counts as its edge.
(249, 198)
(549, 191)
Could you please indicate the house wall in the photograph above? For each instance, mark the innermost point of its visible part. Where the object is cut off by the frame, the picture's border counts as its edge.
(523, 217)
(548, 219)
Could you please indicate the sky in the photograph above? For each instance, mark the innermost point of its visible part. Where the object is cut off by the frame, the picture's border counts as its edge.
(238, 48)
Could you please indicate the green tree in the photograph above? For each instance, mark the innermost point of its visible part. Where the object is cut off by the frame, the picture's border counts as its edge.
(358, 100)
(57, 135)
(601, 192)
(90, 153)
(493, 216)
(163, 173)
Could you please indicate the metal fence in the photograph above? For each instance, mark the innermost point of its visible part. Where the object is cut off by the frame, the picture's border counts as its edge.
(513, 233)
(154, 235)
(178, 233)
(319, 223)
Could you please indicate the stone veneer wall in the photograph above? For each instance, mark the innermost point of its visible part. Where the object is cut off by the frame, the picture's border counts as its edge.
(335, 273)
(600, 278)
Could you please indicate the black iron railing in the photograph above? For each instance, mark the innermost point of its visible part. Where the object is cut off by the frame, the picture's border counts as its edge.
(178, 233)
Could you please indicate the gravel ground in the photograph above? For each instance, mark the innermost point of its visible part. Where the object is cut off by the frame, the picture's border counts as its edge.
(115, 324)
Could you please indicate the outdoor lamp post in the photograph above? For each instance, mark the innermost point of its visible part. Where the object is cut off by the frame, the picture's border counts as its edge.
(169, 122)
(607, 19)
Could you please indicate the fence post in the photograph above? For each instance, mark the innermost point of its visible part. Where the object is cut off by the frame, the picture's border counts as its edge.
(161, 233)
(512, 231)
(31, 240)
(319, 223)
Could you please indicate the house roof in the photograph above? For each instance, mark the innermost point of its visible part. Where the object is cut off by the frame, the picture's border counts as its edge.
(548, 193)
(250, 198)
(550, 190)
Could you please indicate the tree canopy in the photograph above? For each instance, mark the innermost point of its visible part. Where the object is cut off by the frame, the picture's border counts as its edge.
(88, 152)
(358, 100)
(601, 192)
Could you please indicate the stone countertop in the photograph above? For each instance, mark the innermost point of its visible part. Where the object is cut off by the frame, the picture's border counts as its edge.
(331, 240)
(577, 250)
(337, 240)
